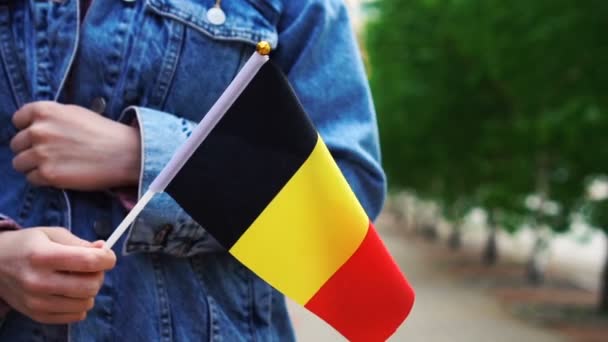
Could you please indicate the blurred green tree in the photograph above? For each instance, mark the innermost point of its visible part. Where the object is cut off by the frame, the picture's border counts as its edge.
(487, 102)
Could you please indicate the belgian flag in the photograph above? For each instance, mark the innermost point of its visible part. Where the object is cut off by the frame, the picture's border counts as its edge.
(263, 183)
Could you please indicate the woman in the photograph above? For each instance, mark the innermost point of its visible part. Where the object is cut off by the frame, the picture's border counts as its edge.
(94, 99)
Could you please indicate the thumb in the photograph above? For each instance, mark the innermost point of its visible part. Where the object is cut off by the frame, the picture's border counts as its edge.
(64, 237)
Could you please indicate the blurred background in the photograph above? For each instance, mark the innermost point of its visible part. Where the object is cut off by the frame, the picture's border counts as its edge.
(494, 130)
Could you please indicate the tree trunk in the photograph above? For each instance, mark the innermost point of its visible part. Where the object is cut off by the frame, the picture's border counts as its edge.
(455, 239)
(490, 252)
(603, 308)
(534, 272)
(429, 232)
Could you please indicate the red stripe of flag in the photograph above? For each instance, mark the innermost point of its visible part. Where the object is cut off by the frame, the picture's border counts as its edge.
(368, 297)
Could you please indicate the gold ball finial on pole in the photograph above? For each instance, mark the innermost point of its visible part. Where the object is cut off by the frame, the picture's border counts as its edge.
(263, 48)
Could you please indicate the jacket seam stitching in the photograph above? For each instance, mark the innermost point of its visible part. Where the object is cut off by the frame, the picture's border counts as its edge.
(169, 63)
(16, 89)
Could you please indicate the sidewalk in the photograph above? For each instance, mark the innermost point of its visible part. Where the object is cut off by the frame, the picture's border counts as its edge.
(444, 309)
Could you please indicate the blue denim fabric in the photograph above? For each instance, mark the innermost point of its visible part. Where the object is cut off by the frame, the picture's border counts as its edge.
(162, 63)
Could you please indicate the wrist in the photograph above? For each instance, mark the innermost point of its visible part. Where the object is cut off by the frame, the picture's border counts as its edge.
(129, 157)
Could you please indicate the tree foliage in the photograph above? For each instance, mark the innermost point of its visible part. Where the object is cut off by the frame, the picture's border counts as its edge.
(488, 101)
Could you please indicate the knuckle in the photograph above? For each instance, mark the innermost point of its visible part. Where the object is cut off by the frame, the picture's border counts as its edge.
(32, 283)
(13, 145)
(42, 109)
(48, 172)
(36, 132)
(36, 257)
(16, 164)
(28, 107)
(40, 152)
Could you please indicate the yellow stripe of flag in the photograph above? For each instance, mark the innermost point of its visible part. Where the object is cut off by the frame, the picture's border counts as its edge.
(310, 229)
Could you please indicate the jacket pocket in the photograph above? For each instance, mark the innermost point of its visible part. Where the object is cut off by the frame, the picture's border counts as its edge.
(196, 60)
(246, 20)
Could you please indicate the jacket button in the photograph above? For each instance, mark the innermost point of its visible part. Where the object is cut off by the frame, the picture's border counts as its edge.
(216, 15)
(98, 105)
(160, 238)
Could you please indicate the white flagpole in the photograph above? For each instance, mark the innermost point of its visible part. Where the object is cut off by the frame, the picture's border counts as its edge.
(200, 132)
(126, 222)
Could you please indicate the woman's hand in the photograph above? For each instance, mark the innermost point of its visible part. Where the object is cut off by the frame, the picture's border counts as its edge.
(71, 147)
(51, 275)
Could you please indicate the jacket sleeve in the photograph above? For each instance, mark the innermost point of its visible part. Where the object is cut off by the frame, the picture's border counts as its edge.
(318, 51)
(163, 225)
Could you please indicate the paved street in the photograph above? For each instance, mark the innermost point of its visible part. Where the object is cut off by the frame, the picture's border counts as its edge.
(444, 310)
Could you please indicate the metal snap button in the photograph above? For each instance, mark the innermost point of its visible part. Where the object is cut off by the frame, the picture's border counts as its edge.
(216, 15)
(98, 105)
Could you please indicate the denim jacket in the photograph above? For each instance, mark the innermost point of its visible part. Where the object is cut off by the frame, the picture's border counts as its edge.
(162, 64)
